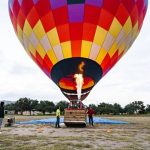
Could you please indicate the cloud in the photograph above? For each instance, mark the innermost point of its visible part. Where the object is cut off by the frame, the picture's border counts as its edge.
(20, 69)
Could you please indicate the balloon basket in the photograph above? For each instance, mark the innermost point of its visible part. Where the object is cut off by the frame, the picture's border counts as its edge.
(75, 117)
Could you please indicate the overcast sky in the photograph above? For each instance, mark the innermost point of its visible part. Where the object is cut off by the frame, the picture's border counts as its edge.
(20, 77)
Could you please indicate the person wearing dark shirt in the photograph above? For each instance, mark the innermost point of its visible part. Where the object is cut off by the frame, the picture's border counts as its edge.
(90, 113)
(1, 114)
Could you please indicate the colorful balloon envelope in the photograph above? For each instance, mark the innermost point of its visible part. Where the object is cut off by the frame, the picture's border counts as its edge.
(68, 37)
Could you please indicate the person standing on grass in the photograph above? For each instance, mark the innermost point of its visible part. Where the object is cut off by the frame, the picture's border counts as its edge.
(57, 118)
(1, 114)
(90, 113)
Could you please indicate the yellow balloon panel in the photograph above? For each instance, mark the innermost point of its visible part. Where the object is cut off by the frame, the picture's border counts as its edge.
(86, 48)
(66, 49)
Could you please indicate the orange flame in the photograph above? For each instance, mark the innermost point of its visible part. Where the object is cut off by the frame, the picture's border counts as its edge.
(80, 67)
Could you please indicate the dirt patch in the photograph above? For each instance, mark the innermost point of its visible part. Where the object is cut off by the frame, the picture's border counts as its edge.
(135, 135)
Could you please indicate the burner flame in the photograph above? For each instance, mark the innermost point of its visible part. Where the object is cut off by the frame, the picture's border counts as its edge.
(79, 79)
(79, 84)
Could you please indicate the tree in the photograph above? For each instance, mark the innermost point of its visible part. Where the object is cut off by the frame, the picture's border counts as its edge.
(140, 107)
(104, 108)
(147, 109)
(51, 107)
(129, 108)
(10, 106)
(117, 109)
(31, 105)
(135, 107)
(62, 105)
(45, 106)
(22, 104)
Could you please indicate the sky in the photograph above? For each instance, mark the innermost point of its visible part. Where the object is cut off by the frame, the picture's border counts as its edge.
(127, 81)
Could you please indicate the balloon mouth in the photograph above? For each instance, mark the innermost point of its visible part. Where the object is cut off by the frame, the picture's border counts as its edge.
(73, 95)
(69, 83)
(63, 74)
(68, 87)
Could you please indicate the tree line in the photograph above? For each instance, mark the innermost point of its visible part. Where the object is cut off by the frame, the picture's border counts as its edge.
(27, 104)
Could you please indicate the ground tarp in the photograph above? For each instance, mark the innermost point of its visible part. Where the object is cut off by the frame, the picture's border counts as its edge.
(97, 120)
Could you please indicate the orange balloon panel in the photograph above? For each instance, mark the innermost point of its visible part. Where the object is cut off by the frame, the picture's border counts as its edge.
(98, 32)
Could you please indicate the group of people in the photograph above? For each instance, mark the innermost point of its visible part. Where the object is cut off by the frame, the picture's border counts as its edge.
(90, 113)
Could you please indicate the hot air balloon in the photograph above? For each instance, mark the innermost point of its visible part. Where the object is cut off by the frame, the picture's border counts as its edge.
(82, 37)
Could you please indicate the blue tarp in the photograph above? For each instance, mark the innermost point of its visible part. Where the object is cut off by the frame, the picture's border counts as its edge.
(97, 120)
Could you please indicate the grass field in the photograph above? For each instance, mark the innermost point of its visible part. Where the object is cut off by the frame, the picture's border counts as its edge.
(133, 136)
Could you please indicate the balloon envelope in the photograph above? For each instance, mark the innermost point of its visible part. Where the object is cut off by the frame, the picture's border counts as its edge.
(60, 35)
